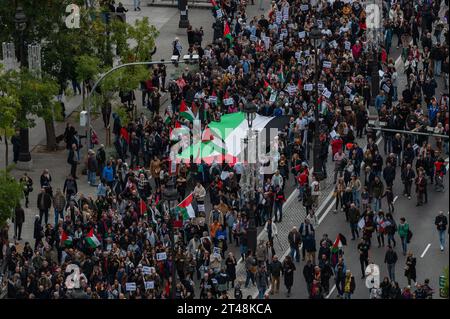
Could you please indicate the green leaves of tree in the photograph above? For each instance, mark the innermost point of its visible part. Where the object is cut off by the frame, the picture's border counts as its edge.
(11, 192)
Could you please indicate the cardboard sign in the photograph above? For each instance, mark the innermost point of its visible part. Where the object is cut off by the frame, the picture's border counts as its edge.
(327, 64)
(146, 270)
(320, 24)
(302, 34)
(161, 256)
(347, 45)
(213, 99)
(149, 284)
(304, 7)
(273, 97)
(326, 93)
(348, 90)
(130, 286)
(308, 87)
(229, 101)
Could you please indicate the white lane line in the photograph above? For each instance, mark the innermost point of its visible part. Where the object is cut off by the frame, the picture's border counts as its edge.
(425, 251)
(327, 211)
(395, 198)
(331, 292)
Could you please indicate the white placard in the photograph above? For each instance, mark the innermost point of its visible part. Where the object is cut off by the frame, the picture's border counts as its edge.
(320, 24)
(291, 26)
(302, 34)
(201, 207)
(146, 270)
(217, 250)
(351, 98)
(308, 87)
(333, 134)
(161, 256)
(306, 53)
(304, 7)
(266, 42)
(253, 38)
(279, 45)
(297, 55)
(228, 101)
(348, 90)
(386, 88)
(219, 14)
(327, 64)
(278, 17)
(334, 44)
(273, 97)
(320, 86)
(284, 32)
(149, 284)
(348, 45)
(224, 175)
(130, 286)
(213, 99)
(326, 93)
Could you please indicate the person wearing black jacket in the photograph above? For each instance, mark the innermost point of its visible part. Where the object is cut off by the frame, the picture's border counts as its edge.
(441, 223)
(408, 177)
(38, 232)
(294, 239)
(135, 146)
(19, 219)
(15, 141)
(326, 271)
(363, 249)
(410, 268)
(389, 174)
(73, 160)
(44, 202)
(390, 259)
(308, 274)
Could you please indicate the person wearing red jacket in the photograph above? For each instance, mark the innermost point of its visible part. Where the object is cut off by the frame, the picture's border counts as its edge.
(302, 180)
(279, 199)
(336, 145)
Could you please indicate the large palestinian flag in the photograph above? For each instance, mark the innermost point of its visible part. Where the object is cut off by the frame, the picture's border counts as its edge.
(224, 138)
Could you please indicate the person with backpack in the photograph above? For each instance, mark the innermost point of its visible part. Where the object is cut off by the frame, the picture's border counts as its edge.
(404, 233)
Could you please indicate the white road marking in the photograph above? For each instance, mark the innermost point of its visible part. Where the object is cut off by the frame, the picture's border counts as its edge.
(327, 211)
(425, 251)
(395, 198)
(331, 292)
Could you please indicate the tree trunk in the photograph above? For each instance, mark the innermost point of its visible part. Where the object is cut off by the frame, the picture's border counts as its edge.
(6, 151)
(50, 135)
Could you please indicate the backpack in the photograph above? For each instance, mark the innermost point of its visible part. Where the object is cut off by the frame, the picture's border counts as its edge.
(409, 236)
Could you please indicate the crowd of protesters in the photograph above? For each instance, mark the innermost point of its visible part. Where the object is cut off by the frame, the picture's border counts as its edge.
(269, 61)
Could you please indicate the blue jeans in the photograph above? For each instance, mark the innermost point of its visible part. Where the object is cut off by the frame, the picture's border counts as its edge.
(137, 3)
(437, 67)
(58, 214)
(296, 252)
(91, 177)
(356, 198)
(261, 292)
(391, 271)
(301, 191)
(442, 234)
(404, 244)
(278, 208)
(250, 276)
(376, 204)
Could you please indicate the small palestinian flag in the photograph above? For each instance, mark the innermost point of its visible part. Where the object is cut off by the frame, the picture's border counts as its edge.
(142, 207)
(338, 243)
(66, 239)
(186, 112)
(185, 207)
(167, 119)
(267, 86)
(92, 240)
(227, 33)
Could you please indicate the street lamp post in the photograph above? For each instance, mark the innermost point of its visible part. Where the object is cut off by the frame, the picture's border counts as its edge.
(20, 20)
(170, 195)
(316, 35)
(249, 180)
